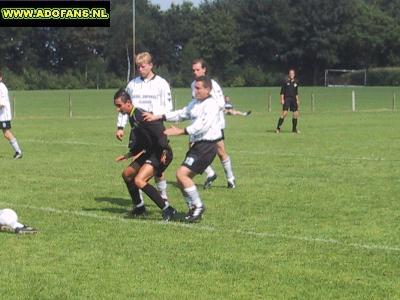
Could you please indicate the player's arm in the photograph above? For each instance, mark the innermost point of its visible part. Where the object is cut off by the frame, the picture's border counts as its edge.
(282, 94)
(174, 116)
(3, 96)
(218, 94)
(122, 120)
(165, 97)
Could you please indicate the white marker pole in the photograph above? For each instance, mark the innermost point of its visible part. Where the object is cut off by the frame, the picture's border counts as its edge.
(70, 105)
(353, 101)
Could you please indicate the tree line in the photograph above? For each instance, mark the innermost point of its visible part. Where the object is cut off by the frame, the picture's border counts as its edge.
(246, 43)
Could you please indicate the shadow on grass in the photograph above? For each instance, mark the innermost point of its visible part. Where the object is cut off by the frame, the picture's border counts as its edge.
(199, 186)
(113, 210)
(116, 201)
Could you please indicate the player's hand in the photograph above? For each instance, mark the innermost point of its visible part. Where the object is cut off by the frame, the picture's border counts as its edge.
(149, 117)
(120, 158)
(174, 131)
(119, 134)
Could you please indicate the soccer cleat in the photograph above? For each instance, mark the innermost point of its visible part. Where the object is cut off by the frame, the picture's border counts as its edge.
(26, 230)
(195, 213)
(138, 212)
(209, 181)
(17, 155)
(231, 184)
(296, 131)
(248, 113)
(169, 214)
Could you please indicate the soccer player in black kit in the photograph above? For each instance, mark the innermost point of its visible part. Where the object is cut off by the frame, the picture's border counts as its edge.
(151, 153)
(290, 100)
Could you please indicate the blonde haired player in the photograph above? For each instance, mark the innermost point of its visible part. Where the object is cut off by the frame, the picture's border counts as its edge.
(151, 93)
(5, 119)
(9, 223)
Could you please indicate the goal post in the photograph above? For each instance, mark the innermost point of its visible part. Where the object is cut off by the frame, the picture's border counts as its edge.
(345, 77)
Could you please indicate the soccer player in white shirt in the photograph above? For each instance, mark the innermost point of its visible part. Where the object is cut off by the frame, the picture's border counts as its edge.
(204, 132)
(5, 119)
(199, 68)
(150, 93)
(9, 223)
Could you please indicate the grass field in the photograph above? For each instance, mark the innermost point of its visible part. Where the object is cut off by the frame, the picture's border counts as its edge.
(314, 215)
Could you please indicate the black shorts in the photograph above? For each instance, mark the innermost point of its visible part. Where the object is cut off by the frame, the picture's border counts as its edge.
(200, 156)
(154, 160)
(291, 104)
(5, 124)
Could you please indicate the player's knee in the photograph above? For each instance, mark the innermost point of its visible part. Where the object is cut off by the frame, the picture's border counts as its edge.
(139, 182)
(180, 175)
(127, 176)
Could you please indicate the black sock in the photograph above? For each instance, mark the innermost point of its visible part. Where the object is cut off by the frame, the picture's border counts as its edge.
(294, 123)
(154, 195)
(134, 192)
(280, 122)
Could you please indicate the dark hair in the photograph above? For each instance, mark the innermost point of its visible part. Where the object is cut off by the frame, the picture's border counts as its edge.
(123, 94)
(202, 62)
(206, 81)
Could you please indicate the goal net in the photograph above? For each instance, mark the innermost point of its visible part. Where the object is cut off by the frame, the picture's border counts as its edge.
(344, 77)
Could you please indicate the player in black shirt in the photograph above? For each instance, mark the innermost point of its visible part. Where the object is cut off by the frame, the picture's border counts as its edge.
(290, 100)
(151, 153)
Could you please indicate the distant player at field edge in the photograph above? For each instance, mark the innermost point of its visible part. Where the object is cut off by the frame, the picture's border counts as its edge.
(5, 119)
(289, 100)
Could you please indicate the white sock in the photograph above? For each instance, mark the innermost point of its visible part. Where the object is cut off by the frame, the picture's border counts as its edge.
(17, 225)
(187, 198)
(162, 188)
(209, 171)
(194, 196)
(226, 164)
(141, 199)
(15, 145)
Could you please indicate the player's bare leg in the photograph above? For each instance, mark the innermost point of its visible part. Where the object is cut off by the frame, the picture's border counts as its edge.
(226, 164)
(146, 172)
(13, 142)
(189, 191)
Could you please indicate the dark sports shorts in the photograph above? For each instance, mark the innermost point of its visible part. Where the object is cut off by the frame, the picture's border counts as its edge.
(291, 104)
(5, 124)
(200, 156)
(154, 159)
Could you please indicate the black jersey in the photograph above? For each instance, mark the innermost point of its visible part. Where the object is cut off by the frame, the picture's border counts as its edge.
(289, 89)
(148, 136)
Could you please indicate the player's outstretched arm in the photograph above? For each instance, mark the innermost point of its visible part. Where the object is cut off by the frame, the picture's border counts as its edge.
(149, 117)
(174, 131)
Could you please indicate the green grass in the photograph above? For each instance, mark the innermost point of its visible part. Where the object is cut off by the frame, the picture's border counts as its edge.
(314, 215)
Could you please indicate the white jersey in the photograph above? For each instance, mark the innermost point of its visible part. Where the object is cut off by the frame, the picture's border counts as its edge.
(205, 119)
(5, 109)
(216, 93)
(151, 95)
